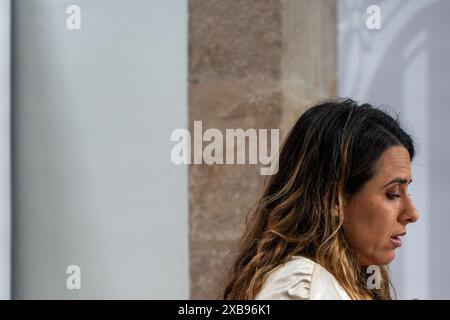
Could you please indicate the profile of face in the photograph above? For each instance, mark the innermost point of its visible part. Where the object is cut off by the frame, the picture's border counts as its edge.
(377, 215)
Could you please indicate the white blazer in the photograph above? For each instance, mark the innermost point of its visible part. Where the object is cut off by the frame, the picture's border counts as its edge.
(301, 279)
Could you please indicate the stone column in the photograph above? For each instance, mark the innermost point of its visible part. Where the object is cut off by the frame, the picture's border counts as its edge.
(252, 64)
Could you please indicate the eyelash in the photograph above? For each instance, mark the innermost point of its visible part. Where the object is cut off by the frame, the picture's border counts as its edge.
(396, 196)
(393, 196)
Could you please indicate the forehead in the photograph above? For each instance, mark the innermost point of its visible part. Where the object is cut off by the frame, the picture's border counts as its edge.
(394, 163)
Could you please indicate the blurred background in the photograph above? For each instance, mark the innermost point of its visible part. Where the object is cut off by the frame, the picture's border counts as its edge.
(87, 111)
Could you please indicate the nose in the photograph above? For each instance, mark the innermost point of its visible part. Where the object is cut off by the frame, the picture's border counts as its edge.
(410, 213)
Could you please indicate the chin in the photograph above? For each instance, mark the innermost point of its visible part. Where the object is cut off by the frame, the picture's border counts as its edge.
(386, 258)
(382, 259)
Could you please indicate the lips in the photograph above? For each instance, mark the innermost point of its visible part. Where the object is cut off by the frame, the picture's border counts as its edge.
(395, 239)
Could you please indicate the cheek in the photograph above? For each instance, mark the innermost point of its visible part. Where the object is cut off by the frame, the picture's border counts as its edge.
(367, 224)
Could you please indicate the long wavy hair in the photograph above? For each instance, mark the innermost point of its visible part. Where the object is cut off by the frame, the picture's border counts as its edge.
(329, 154)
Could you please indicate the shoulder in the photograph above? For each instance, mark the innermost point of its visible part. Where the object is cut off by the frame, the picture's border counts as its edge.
(301, 279)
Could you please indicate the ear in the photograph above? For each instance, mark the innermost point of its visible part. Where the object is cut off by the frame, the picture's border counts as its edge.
(335, 211)
(342, 199)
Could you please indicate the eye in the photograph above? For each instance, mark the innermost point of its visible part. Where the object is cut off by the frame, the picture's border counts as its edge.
(393, 196)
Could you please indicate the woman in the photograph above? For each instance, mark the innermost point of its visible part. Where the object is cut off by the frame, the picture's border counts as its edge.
(338, 205)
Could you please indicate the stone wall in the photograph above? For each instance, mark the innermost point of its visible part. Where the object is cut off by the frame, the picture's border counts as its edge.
(252, 64)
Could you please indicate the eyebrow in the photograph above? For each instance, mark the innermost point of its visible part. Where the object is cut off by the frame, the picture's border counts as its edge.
(398, 181)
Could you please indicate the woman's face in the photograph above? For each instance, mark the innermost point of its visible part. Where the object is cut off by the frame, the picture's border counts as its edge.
(376, 217)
